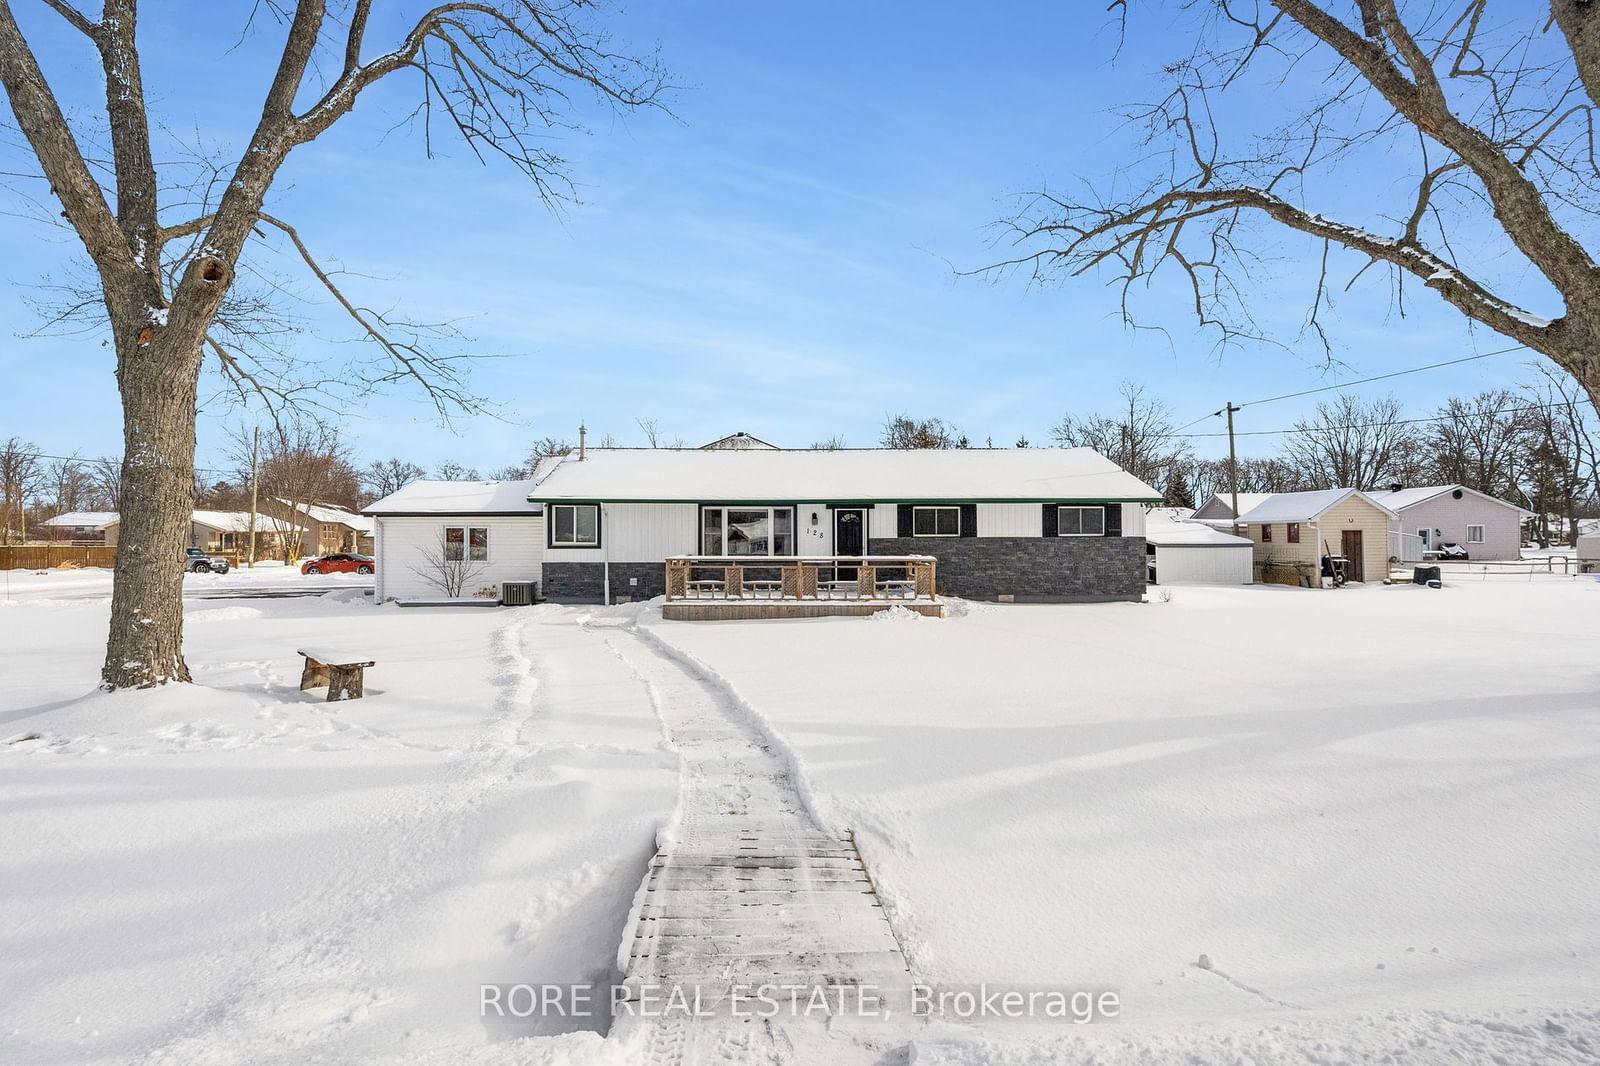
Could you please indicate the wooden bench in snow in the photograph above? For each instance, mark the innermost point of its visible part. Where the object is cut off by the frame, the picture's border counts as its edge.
(341, 671)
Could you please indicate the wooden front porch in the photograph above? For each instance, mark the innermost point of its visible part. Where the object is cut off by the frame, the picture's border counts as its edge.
(700, 587)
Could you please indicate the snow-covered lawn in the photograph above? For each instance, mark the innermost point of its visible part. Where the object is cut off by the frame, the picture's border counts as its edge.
(1374, 809)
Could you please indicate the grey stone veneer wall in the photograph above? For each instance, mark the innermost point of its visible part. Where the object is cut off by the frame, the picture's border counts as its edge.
(1032, 569)
(585, 582)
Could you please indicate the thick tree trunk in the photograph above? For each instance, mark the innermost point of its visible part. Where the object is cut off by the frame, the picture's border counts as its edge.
(158, 386)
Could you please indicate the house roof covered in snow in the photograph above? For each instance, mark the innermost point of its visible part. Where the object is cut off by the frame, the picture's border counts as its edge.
(322, 512)
(1165, 531)
(84, 519)
(1303, 506)
(239, 521)
(862, 475)
(1410, 497)
(458, 497)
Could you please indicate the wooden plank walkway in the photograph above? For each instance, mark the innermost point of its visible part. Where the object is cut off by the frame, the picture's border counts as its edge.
(750, 890)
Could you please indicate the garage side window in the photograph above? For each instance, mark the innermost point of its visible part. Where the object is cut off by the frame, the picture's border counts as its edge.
(466, 543)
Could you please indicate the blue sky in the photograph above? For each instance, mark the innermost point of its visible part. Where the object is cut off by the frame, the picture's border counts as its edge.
(779, 256)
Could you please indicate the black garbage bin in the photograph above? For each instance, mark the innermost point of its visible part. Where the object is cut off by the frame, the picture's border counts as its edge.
(1426, 575)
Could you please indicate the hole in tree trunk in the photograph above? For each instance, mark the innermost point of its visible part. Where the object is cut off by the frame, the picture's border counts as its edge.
(212, 271)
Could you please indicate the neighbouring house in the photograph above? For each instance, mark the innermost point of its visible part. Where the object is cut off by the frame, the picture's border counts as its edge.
(486, 532)
(230, 531)
(1186, 552)
(84, 527)
(1023, 524)
(1219, 507)
(1293, 532)
(211, 530)
(330, 528)
(740, 441)
(1487, 527)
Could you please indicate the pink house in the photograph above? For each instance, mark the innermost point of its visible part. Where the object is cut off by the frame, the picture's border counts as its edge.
(1488, 528)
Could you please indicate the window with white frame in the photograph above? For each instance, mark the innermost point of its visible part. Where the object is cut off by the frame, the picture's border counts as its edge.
(574, 525)
(466, 543)
(747, 531)
(1080, 521)
(936, 521)
(1474, 534)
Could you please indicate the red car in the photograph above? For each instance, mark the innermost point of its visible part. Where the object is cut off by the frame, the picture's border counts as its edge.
(339, 563)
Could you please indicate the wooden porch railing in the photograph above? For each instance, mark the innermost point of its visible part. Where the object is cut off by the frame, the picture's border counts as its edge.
(802, 578)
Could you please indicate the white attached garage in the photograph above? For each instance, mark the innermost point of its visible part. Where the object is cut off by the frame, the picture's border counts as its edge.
(488, 529)
(1190, 553)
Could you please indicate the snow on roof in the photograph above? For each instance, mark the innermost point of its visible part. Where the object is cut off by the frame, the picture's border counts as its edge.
(1164, 530)
(1410, 497)
(85, 519)
(1302, 506)
(864, 475)
(323, 512)
(458, 497)
(239, 521)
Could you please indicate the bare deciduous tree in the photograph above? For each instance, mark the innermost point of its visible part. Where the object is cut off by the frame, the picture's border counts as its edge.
(1138, 437)
(1480, 442)
(829, 444)
(497, 72)
(450, 470)
(385, 477)
(20, 476)
(447, 564)
(1485, 123)
(903, 431)
(1355, 444)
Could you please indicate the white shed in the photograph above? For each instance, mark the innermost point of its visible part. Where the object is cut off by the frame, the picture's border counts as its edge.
(488, 527)
(1193, 553)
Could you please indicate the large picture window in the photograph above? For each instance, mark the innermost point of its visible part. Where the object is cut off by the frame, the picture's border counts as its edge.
(1080, 521)
(936, 521)
(575, 525)
(466, 543)
(747, 531)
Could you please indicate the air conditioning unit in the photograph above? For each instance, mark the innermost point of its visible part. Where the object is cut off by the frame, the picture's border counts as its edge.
(519, 593)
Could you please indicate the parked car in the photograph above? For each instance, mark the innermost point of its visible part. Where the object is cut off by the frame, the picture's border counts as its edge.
(198, 562)
(339, 563)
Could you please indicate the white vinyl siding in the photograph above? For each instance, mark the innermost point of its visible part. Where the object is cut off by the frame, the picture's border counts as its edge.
(1133, 520)
(1010, 520)
(516, 550)
(1183, 564)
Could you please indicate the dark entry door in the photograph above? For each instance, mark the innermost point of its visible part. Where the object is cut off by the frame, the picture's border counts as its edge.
(1350, 546)
(849, 536)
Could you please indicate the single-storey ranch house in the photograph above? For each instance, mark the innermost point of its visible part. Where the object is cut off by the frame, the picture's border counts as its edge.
(1485, 527)
(1023, 524)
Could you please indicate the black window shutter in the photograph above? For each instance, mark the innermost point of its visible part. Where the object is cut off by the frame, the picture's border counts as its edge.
(903, 520)
(1113, 519)
(969, 520)
(1051, 514)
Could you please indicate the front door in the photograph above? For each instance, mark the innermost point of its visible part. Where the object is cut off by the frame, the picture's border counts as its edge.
(849, 536)
(1350, 545)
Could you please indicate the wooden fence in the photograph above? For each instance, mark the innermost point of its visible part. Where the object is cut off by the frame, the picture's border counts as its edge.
(49, 556)
(46, 556)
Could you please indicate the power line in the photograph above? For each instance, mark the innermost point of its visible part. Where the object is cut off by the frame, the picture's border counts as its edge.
(1390, 422)
(115, 459)
(1332, 388)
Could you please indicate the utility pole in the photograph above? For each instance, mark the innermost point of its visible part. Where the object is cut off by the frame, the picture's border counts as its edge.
(1233, 468)
(255, 451)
